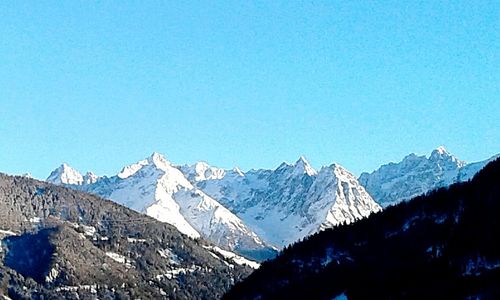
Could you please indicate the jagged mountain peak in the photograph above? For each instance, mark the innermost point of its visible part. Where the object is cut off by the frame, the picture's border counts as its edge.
(415, 175)
(408, 246)
(441, 154)
(238, 171)
(202, 171)
(293, 200)
(65, 174)
(303, 166)
(412, 157)
(302, 159)
(337, 170)
(132, 169)
(165, 192)
(157, 160)
(441, 150)
(90, 178)
(335, 166)
(283, 165)
(300, 167)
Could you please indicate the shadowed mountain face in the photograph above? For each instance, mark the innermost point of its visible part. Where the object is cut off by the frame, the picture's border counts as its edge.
(59, 243)
(443, 245)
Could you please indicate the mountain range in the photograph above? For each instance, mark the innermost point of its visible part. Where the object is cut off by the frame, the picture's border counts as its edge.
(415, 175)
(442, 245)
(177, 228)
(258, 212)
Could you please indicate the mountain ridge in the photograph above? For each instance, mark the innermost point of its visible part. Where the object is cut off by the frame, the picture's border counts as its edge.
(157, 188)
(258, 211)
(185, 196)
(439, 245)
(415, 175)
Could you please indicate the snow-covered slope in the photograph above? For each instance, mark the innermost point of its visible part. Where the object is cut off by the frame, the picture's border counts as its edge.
(416, 175)
(65, 175)
(160, 190)
(243, 212)
(246, 212)
(290, 202)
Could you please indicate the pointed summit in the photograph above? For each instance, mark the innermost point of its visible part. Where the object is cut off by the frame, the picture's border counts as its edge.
(156, 159)
(302, 160)
(159, 161)
(90, 178)
(441, 154)
(156, 156)
(238, 171)
(441, 150)
(204, 171)
(302, 166)
(65, 174)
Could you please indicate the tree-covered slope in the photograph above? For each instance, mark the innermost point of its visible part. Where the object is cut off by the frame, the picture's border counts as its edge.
(59, 243)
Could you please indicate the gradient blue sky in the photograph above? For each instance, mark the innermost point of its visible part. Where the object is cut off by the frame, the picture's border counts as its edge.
(247, 83)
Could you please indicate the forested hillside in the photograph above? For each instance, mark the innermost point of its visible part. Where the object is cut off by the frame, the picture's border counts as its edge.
(59, 243)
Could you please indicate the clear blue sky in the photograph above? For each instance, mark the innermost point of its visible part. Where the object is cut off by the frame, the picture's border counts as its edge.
(100, 84)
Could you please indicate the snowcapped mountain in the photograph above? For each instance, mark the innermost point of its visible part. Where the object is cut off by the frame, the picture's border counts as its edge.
(65, 175)
(90, 178)
(443, 246)
(290, 202)
(416, 175)
(157, 188)
(242, 212)
(202, 171)
(248, 211)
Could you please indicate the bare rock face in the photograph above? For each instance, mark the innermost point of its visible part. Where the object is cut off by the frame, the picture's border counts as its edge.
(60, 243)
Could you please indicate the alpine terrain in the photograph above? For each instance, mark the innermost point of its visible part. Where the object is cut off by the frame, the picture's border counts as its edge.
(251, 213)
(289, 203)
(58, 243)
(416, 175)
(443, 245)
(157, 188)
